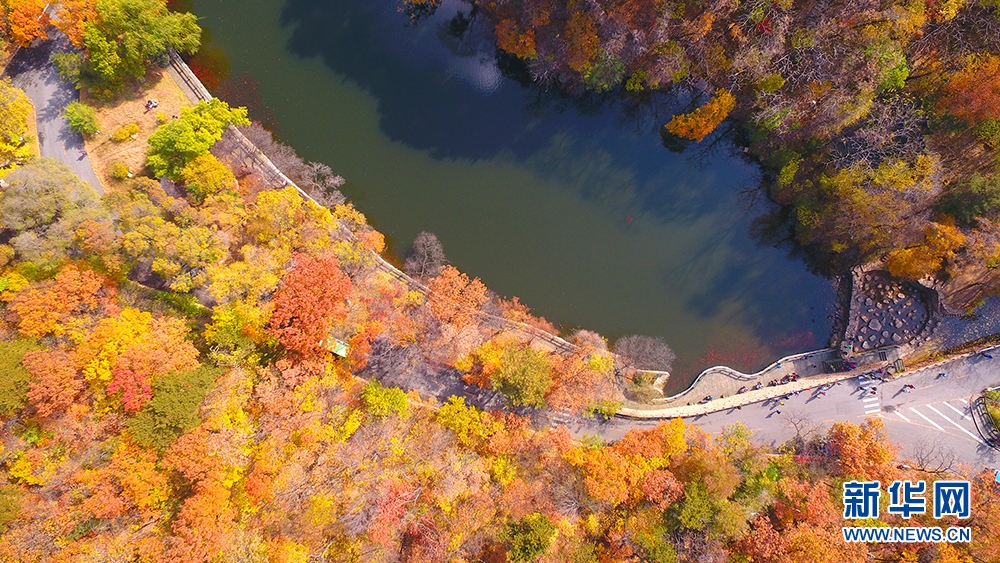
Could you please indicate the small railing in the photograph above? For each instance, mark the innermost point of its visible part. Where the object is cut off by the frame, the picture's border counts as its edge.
(984, 423)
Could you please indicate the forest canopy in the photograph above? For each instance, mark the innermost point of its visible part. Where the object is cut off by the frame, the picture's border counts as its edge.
(869, 118)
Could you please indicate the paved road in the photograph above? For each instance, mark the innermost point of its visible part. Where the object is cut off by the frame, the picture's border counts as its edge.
(931, 421)
(31, 71)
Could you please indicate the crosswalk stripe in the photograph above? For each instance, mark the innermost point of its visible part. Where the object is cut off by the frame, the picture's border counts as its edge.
(921, 415)
(960, 413)
(869, 399)
(955, 424)
(900, 415)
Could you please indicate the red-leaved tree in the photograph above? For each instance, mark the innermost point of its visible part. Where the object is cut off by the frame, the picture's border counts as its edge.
(310, 297)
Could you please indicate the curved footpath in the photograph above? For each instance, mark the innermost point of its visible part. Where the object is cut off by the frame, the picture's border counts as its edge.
(932, 424)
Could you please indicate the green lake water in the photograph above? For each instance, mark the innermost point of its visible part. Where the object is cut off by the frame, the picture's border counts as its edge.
(575, 206)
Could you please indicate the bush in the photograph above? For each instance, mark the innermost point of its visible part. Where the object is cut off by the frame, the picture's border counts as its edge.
(69, 66)
(771, 83)
(523, 377)
(10, 505)
(125, 133)
(173, 410)
(977, 197)
(989, 132)
(605, 408)
(13, 377)
(81, 118)
(992, 399)
(383, 401)
(529, 537)
(119, 171)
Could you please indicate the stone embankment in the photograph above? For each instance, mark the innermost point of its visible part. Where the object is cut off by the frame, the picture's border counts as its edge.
(884, 312)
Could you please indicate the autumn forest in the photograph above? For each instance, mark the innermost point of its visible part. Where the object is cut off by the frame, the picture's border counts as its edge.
(202, 365)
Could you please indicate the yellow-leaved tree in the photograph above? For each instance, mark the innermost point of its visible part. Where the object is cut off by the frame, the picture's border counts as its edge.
(14, 110)
(941, 240)
(702, 121)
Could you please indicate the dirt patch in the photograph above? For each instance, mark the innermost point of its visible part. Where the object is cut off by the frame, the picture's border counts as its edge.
(129, 108)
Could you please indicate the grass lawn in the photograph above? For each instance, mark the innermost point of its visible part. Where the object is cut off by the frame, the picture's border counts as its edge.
(127, 108)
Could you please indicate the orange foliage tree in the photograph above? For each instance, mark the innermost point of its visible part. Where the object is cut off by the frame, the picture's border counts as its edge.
(72, 17)
(515, 41)
(310, 297)
(45, 308)
(614, 474)
(456, 299)
(973, 93)
(126, 352)
(54, 384)
(863, 451)
(582, 42)
(26, 20)
(702, 121)
(941, 240)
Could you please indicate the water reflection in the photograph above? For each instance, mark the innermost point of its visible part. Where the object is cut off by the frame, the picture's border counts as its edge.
(573, 204)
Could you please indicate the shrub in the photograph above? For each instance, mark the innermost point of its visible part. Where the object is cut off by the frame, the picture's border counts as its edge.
(605, 408)
(529, 537)
(524, 377)
(125, 133)
(771, 83)
(383, 401)
(68, 65)
(119, 171)
(989, 132)
(173, 410)
(10, 505)
(13, 377)
(81, 118)
(979, 196)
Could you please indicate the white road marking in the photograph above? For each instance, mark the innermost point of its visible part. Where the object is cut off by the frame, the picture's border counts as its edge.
(955, 424)
(964, 401)
(869, 399)
(900, 415)
(921, 415)
(960, 413)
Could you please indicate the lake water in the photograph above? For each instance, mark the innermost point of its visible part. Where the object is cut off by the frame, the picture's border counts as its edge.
(575, 206)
